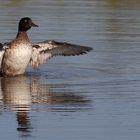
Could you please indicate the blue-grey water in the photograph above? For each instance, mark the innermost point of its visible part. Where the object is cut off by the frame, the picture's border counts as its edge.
(90, 97)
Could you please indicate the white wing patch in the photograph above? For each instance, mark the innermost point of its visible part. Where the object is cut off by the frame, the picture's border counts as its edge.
(38, 58)
(2, 50)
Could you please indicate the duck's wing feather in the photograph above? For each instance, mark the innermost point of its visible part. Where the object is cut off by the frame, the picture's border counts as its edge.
(42, 51)
(2, 50)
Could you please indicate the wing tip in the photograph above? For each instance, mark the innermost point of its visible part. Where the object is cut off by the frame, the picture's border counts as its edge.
(88, 49)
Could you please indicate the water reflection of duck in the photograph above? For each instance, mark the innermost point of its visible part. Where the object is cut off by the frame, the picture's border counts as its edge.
(24, 124)
(20, 92)
(16, 92)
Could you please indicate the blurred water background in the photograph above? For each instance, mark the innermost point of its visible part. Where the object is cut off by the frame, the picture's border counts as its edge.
(94, 96)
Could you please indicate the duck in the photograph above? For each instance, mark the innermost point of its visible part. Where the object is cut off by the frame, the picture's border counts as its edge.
(17, 54)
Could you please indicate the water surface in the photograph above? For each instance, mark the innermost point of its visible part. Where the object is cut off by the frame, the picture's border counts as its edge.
(94, 96)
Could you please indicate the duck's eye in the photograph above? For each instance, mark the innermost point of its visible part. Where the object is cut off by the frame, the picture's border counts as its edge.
(25, 20)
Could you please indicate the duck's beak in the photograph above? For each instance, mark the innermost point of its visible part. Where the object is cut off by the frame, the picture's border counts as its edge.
(34, 25)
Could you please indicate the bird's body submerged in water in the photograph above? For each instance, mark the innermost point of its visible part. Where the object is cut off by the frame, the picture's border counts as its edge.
(16, 55)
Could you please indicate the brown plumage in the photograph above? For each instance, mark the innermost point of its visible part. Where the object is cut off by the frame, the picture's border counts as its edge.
(20, 52)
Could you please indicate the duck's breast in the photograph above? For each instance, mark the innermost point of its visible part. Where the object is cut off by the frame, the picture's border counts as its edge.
(16, 58)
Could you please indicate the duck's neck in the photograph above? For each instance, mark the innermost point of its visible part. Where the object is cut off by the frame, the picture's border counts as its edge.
(22, 35)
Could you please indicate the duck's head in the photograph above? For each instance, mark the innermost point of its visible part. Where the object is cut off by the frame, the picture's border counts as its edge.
(25, 24)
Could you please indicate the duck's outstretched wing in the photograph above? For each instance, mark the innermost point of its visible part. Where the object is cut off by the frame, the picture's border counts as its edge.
(47, 49)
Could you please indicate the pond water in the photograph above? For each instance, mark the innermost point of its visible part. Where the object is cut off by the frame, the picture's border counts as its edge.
(94, 96)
